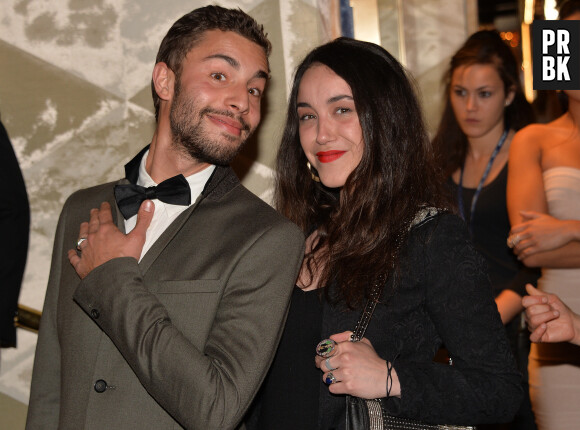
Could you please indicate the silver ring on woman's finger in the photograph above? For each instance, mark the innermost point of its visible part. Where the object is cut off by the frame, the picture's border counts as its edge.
(80, 241)
(330, 379)
(328, 366)
(326, 348)
(512, 241)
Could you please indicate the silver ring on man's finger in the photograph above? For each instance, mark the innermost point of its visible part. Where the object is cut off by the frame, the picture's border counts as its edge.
(80, 242)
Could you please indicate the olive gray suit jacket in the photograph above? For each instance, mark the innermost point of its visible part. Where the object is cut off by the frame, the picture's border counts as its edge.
(182, 339)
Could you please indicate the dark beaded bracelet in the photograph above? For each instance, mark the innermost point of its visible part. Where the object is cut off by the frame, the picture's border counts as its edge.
(390, 376)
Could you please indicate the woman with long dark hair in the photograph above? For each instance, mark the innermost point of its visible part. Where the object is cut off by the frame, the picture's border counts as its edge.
(484, 107)
(356, 172)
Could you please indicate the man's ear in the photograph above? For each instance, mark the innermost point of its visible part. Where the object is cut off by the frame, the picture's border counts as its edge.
(163, 80)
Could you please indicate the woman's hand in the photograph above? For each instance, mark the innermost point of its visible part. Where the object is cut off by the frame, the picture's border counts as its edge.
(357, 368)
(541, 232)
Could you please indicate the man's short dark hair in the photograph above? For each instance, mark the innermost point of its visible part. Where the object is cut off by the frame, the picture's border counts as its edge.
(188, 30)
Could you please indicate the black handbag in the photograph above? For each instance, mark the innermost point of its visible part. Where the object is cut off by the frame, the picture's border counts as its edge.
(369, 414)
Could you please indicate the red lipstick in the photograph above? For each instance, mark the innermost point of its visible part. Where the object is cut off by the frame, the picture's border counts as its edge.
(329, 156)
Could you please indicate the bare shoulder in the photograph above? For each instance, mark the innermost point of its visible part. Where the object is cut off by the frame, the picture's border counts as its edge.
(529, 140)
(539, 136)
(533, 134)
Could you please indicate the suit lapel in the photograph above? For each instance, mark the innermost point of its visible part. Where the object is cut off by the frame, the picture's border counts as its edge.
(222, 180)
(165, 238)
(117, 216)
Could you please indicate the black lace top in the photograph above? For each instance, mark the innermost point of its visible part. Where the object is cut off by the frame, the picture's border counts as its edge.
(491, 228)
(441, 296)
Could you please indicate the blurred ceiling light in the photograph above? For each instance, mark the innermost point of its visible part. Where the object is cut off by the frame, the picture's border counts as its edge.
(529, 11)
(550, 11)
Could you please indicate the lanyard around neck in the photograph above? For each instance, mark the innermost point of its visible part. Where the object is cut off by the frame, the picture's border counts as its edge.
(481, 182)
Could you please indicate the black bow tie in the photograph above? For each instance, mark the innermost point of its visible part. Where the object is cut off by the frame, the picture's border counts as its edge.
(173, 190)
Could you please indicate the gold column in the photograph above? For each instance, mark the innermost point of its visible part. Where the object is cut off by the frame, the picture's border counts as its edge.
(365, 15)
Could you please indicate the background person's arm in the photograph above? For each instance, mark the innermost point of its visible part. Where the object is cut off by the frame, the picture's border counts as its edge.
(525, 192)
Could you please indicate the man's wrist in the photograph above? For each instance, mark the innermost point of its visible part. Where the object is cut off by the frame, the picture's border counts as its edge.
(576, 326)
(575, 230)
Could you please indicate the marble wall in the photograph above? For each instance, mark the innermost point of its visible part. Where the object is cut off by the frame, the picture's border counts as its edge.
(75, 99)
(433, 30)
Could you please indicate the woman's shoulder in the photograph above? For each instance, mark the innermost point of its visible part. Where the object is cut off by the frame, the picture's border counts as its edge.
(441, 227)
(443, 244)
(540, 134)
(531, 133)
(429, 218)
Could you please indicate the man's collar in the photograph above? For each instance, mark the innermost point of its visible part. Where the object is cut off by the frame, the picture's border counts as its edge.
(132, 167)
(222, 180)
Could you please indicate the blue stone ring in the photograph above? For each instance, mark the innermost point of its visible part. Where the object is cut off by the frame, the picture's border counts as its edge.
(326, 348)
(330, 379)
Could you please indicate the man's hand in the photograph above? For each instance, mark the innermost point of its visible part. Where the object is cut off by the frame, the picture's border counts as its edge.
(104, 241)
(548, 318)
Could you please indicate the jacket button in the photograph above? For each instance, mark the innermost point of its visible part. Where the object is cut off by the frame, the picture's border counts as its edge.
(100, 386)
(95, 313)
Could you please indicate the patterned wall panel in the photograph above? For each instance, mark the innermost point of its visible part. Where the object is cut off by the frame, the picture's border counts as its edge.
(433, 30)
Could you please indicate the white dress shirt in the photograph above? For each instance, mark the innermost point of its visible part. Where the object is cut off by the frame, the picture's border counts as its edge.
(165, 213)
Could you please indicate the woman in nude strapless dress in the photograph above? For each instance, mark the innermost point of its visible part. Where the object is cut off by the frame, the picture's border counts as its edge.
(543, 196)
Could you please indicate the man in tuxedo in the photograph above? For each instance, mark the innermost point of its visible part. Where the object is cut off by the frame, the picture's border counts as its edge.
(170, 318)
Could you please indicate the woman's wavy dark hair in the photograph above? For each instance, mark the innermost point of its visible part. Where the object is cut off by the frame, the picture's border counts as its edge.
(482, 47)
(361, 228)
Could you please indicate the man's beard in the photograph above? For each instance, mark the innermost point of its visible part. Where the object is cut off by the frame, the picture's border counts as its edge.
(188, 133)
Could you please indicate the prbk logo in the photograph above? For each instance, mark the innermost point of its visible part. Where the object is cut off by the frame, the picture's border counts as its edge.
(556, 55)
